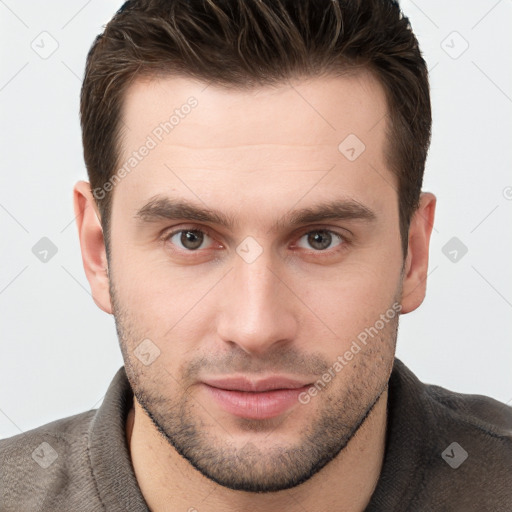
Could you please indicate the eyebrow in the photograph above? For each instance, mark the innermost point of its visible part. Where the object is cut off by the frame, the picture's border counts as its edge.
(160, 208)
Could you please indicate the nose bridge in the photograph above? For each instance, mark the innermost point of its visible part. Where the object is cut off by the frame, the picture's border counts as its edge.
(256, 312)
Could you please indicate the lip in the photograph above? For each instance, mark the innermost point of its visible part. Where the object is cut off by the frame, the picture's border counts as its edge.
(244, 384)
(257, 400)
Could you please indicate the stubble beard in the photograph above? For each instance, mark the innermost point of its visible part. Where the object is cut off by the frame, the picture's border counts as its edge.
(207, 445)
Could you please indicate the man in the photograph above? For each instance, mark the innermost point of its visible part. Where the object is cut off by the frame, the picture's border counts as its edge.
(255, 223)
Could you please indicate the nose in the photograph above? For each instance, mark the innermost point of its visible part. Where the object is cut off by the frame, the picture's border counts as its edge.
(258, 311)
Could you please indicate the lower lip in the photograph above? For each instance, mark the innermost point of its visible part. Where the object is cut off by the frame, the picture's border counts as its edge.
(256, 406)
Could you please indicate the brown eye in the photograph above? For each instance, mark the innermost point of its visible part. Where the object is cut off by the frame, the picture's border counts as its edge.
(190, 239)
(321, 239)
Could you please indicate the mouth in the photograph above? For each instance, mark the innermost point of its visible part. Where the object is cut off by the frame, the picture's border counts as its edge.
(257, 400)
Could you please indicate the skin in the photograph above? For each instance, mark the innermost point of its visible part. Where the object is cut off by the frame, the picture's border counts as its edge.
(256, 156)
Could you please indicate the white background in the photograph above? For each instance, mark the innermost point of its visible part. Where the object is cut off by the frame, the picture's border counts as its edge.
(58, 351)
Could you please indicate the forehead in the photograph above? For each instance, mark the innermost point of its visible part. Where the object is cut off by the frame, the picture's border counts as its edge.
(271, 140)
(326, 108)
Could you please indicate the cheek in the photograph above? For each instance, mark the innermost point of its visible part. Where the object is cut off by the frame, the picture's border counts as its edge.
(172, 309)
(351, 301)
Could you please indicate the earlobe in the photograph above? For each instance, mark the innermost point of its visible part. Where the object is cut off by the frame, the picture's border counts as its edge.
(416, 263)
(92, 244)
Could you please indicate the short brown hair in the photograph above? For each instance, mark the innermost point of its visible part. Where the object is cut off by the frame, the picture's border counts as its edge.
(246, 43)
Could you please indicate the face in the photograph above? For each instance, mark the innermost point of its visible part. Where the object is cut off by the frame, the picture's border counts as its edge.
(256, 270)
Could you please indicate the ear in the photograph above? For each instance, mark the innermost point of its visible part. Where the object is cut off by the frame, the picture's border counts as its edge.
(92, 244)
(416, 263)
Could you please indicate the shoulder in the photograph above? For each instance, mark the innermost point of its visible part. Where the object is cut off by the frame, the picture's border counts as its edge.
(469, 450)
(445, 450)
(441, 408)
(478, 412)
(60, 432)
(48, 465)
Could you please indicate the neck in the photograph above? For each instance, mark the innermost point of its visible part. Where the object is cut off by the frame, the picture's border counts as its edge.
(169, 483)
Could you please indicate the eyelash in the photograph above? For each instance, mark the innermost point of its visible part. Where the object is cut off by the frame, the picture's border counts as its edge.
(341, 246)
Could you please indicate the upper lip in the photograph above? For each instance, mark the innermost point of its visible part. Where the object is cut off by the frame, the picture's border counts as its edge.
(246, 384)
